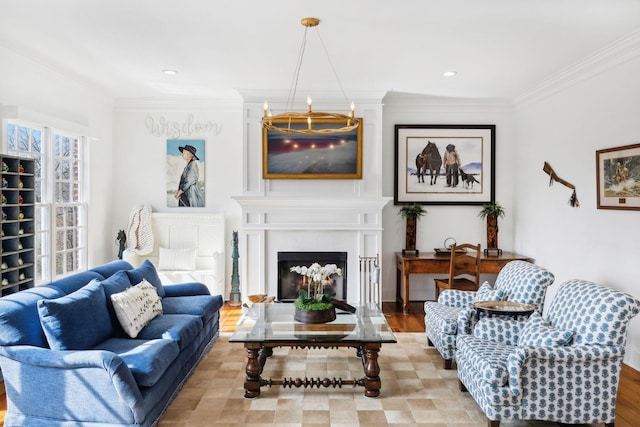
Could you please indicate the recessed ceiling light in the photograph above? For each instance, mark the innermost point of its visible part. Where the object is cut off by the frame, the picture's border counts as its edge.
(449, 73)
(170, 72)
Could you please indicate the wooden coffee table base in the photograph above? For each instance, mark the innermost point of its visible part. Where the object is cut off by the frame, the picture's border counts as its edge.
(257, 354)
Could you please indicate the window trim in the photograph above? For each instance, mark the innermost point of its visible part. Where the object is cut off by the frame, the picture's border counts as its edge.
(48, 201)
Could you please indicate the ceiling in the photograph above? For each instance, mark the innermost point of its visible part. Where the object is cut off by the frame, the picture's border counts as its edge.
(500, 48)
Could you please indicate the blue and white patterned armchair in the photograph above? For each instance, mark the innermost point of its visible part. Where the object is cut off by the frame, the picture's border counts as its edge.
(564, 367)
(452, 314)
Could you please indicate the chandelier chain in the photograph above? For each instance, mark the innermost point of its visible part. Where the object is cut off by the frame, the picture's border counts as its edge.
(335, 73)
(296, 74)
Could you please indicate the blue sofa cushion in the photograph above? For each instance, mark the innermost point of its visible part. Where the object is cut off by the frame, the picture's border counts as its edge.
(147, 360)
(204, 306)
(19, 321)
(181, 328)
(537, 332)
(146, 271)
(74, 282)
(114, 285)
(77, 321)
(111, 268)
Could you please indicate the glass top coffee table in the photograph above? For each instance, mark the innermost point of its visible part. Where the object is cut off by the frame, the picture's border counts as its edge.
(265, 326)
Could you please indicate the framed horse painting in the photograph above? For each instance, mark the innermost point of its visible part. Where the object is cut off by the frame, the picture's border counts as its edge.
(334, 155)
(444, 164)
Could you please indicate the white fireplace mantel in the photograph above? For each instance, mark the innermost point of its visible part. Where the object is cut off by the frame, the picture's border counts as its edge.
(274, 224)
(278, 213)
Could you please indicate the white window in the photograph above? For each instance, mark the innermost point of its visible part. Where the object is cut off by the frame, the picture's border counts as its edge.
(61, 210)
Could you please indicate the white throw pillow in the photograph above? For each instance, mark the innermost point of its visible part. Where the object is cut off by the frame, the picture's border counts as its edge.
(177, 259)
(136, 306)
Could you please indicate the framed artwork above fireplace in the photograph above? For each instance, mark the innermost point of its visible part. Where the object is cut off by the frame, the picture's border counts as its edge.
(312, 156)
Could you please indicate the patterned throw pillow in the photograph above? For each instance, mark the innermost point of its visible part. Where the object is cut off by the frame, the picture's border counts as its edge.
(136, 307)
(486, 292)
(537, 332)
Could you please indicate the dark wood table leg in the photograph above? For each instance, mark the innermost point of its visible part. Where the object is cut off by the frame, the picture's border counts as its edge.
(398, 282)
(405, 284)
(372, 381)
(253, 370)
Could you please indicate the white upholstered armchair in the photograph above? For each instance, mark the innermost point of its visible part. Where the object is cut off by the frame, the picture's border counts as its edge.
(562, 367)
(452, 314)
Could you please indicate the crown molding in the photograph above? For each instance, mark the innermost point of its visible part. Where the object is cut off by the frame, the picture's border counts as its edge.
(323, 96)
(615, 54)
(57, 118)
(178, 105)
(402, 102)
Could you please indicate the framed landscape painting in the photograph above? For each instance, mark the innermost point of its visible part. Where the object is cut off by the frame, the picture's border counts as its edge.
(618, 177)
(312, 156)
(444, 164)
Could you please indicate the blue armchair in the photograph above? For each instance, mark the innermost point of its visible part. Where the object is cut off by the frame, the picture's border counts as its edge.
(452, 314)
(563, 368)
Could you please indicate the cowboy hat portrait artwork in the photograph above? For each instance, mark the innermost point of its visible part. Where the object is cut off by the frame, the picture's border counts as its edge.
(185, 173)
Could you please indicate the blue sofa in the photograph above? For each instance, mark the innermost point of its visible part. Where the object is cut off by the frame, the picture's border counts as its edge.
(102, 376)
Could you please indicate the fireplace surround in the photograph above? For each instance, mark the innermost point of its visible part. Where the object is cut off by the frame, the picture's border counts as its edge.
(271, 225)
(290, 282)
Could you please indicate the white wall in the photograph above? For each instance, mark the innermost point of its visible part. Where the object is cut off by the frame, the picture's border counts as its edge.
(565, 125)
(460, 222)
(36, 92)
(141, 129)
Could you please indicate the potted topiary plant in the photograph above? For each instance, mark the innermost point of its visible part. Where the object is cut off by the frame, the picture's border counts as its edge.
(492, 211)
(411, 213)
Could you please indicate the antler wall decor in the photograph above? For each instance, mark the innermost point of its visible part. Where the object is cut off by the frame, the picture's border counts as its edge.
(573, 201)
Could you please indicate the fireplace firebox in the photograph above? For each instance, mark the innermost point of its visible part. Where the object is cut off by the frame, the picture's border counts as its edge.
(290, 282)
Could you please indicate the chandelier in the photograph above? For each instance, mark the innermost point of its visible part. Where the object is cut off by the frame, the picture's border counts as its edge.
(302, 122)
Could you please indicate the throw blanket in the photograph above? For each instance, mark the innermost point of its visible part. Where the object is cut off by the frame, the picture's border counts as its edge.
(139, 232)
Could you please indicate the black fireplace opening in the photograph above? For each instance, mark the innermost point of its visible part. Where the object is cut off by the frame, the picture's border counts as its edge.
(290, 282)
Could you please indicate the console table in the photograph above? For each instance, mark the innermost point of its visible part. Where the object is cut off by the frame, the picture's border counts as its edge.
(432, 263)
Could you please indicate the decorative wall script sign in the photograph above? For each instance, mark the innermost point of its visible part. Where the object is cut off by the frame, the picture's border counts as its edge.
(174, 129)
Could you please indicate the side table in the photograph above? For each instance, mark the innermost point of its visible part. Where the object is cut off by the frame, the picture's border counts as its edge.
(503, 308)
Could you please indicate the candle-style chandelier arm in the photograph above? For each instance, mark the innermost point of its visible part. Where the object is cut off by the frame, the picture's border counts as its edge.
(282, 122)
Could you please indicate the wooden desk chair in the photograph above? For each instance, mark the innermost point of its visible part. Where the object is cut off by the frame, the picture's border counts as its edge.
(464, 269)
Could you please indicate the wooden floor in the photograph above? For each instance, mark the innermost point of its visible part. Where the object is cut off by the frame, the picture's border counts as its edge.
(627, 411)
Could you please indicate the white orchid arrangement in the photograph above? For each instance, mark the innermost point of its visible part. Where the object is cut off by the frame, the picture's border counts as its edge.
(317, 276)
